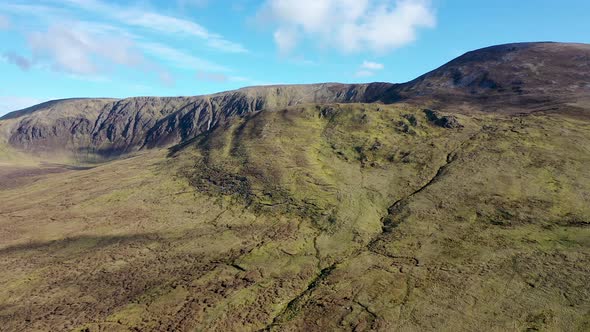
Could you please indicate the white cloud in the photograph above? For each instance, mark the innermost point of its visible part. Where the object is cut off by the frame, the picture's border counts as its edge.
(158, 23)
(349, 25)
(372, 65)
(39, 11)
(86, 51)
(4, 22)
(368, 68)
(71, 49)
(163, 23)
(89, 49)
(286, 39)
(180, 59)
(121, 36)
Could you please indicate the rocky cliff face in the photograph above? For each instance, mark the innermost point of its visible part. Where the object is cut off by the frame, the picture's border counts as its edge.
(106, 128)
(527, 77)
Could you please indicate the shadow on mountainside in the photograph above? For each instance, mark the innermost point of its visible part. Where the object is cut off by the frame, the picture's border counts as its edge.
(76, 242)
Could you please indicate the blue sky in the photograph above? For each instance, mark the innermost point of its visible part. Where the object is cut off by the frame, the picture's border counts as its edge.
(53, 49)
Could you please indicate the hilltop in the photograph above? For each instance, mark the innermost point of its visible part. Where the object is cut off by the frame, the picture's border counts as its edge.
(522, 77)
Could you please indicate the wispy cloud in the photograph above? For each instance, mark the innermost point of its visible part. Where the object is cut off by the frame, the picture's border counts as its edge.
(157, 23)
(212, 77)
(286, 39)
(349, 25)
(41, 12)
(70, 49)
(17, 60)
(219, 77)
(369, 65)
(117, 36)
(85, 51)
(178, 58)
(368, 68)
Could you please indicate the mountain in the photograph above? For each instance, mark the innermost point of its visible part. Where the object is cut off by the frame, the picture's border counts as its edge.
(438, 204)
(508, 78)
(523, 75)
(96, 128)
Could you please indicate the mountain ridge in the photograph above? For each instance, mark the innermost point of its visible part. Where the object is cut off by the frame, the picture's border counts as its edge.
(509, 78)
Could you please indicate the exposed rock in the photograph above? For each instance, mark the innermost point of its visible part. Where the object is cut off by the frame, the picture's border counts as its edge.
(411, 119)
(106, 128)
(445, 121)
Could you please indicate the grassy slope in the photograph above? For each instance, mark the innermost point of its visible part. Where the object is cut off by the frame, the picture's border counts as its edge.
(127, 244)
(289, 228)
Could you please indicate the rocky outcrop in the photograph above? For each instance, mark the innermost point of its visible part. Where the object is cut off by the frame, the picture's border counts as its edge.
(445, 121)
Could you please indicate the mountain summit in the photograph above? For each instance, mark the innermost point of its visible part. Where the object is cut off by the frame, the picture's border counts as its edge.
(522, 74)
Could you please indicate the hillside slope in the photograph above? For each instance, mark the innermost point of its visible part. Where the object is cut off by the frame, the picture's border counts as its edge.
(357, 217)
(513, 78)
(301, 208)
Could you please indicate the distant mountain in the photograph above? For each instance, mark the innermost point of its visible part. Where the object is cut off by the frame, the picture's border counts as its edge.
(528, 76)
